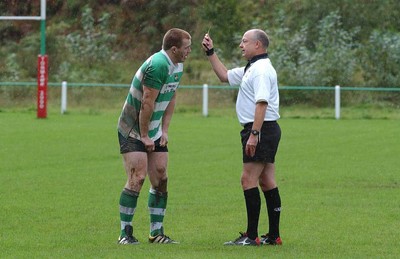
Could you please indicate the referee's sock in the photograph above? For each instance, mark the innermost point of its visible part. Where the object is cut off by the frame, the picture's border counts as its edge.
(253, 206)
(273, 200)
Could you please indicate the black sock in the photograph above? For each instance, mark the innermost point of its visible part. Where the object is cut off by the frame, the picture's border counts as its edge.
(253, 206)
(273, 200)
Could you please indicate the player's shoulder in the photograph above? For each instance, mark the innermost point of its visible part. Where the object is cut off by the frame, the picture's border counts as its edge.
(155, 63)
(159, 59)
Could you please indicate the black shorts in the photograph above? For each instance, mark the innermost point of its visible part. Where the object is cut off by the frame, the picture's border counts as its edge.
(270, 135)
(134, 145)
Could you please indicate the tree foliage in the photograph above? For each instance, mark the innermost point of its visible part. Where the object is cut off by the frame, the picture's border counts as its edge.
(328, 61)
(94, 43)
(313, 42)
(381, 59)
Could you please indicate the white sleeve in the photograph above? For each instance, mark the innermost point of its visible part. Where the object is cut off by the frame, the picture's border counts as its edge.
(235, 76)
(262, 88)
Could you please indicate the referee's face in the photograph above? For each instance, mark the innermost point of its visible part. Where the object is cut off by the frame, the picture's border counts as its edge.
(248, 45)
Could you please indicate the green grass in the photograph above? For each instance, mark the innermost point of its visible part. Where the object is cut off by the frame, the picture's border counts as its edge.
(61, 179)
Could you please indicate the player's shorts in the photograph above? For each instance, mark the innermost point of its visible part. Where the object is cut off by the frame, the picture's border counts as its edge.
(130, 144)
(270, 135)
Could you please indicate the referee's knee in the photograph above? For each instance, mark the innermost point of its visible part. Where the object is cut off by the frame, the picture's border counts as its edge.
(247, 182)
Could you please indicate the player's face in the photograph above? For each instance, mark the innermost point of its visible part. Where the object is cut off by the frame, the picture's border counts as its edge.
(182, 53)
(248, 46)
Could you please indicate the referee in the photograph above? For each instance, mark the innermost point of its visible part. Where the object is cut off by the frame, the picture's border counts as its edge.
(257, 108)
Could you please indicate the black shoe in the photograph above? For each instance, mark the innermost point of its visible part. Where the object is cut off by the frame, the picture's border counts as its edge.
(162, 239)
(129, 239)
(243, 240)
(267, 240)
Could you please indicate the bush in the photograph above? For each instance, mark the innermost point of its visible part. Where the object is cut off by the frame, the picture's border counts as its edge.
(95, 43)
(381, 60)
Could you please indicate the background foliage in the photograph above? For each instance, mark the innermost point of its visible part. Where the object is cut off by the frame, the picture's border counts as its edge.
(324, 42)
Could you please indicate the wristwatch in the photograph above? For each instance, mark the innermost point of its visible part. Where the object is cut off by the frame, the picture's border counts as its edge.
(255, 132)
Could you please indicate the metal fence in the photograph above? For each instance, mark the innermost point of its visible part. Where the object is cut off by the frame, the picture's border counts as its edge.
(336, 90)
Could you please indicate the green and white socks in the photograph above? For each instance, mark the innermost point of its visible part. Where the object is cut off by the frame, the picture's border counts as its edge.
(127, 207)
(157, 206)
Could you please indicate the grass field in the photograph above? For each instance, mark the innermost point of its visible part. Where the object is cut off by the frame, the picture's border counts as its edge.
(61, 179)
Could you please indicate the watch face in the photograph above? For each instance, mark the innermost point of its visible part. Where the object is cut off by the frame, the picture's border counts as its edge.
(255, 132)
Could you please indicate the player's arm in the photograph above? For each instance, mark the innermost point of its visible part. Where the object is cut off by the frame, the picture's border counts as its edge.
(261, 108)
(219, 68)
(166, 119)
(146, 111)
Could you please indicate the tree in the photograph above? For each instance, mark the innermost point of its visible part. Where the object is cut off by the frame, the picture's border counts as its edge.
(95, 43)
(381, 59)
(329, 60)
(225, 20)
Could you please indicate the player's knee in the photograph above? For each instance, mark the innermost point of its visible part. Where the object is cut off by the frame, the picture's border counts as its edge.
(161, 171)
(135, 178)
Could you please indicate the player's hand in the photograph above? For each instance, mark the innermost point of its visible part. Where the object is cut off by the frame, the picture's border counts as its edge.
(251, 145)
(148, 144)
(164, 140)
(207, 42)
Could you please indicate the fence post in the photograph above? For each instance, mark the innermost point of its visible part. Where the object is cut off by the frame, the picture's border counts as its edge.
(337, 102)
(63, 97)
(205, 100)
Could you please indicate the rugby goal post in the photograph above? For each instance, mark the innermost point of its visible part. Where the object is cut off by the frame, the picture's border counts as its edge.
(42, 64)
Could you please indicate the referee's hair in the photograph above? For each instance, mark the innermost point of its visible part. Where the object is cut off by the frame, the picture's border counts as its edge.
(262, 37)
(174, 37)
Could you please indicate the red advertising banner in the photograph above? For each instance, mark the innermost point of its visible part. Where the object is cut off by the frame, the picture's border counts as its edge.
(42, 79)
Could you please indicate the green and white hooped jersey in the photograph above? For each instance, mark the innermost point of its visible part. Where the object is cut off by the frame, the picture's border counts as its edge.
(157, 72)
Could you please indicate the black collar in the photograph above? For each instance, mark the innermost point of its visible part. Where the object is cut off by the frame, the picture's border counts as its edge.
(254, 59)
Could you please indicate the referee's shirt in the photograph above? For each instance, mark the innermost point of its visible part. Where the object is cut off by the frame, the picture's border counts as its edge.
(258, 84)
